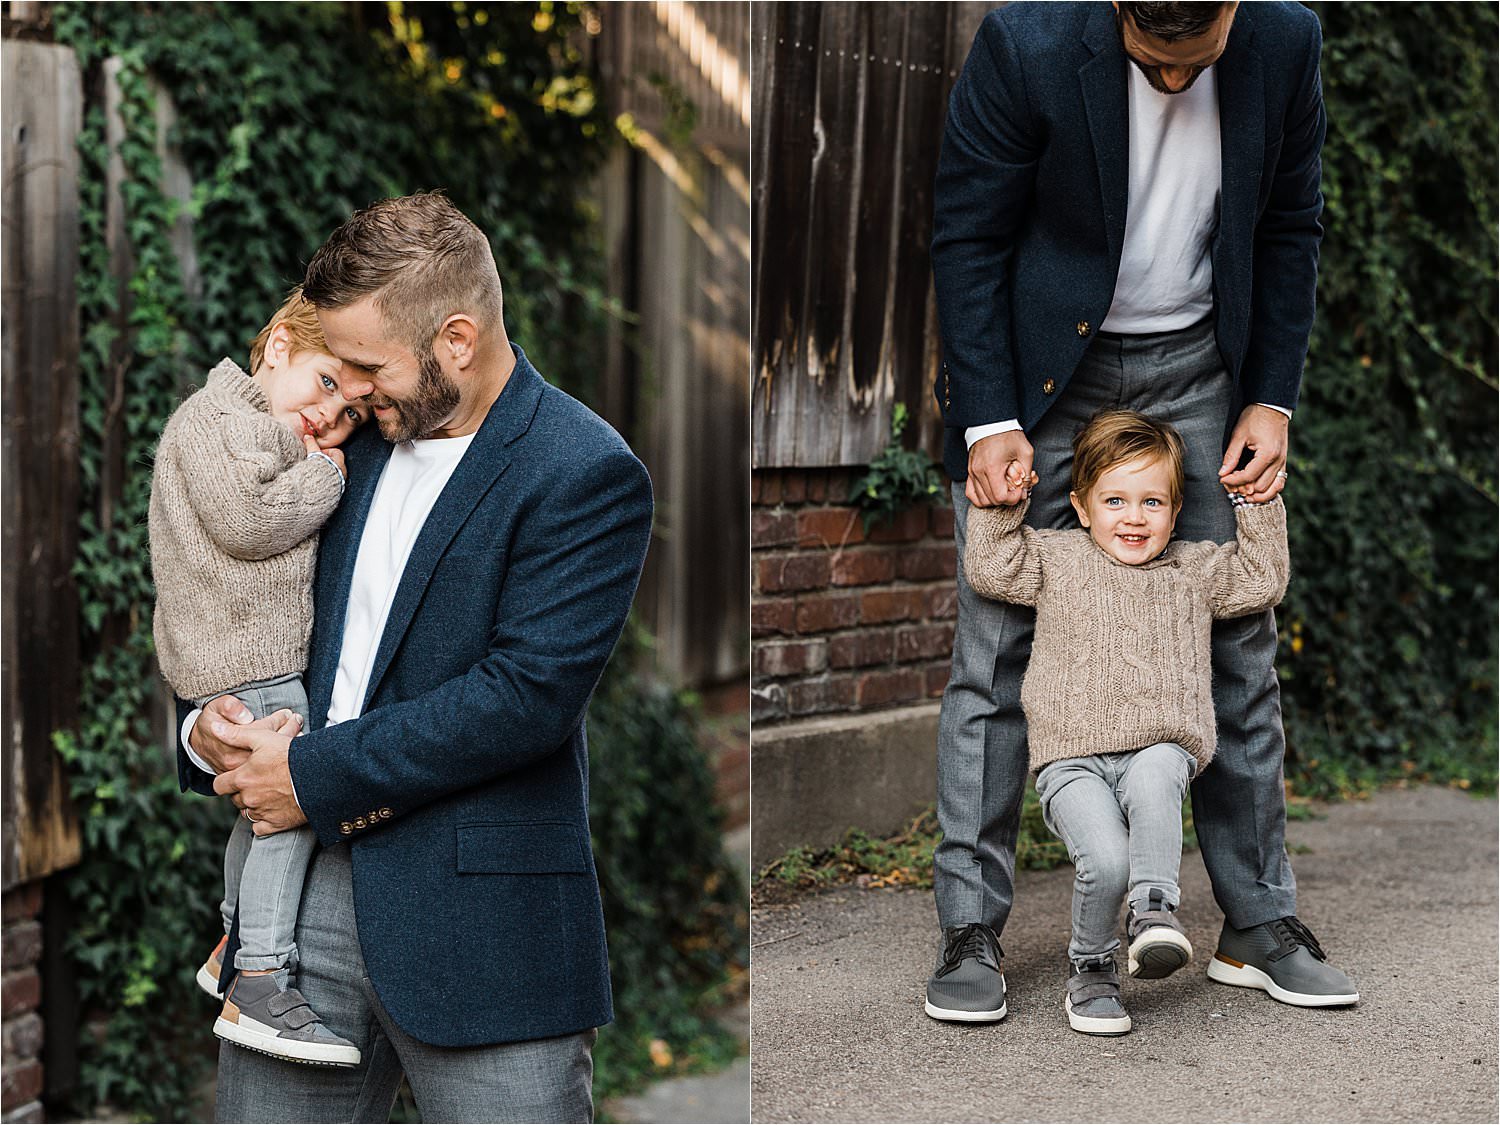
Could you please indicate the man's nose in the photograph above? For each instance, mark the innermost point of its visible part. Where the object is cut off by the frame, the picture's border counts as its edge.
(355, 387)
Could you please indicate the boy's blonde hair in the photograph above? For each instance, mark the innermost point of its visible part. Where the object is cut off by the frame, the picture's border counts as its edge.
(1113, 437)
(301, 319)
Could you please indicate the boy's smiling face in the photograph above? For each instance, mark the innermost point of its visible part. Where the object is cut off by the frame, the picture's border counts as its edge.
(303, 390)
(1130, 512)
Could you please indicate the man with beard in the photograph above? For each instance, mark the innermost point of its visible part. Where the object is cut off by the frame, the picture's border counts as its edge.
(469, 591)
(1125, 216)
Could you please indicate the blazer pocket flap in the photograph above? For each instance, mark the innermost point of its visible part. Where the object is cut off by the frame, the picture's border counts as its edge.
(521, 849)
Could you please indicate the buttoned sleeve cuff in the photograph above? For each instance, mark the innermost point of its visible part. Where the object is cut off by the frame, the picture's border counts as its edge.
(976, 433)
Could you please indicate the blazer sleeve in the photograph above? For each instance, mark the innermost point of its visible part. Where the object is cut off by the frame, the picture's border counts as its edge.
(1251, 574)
(1003, 558)
(570, 578)
(985, 180)
(1285, 256)
(189, 776)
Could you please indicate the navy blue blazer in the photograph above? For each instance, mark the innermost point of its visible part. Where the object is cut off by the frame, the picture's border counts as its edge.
(462, 789)
(1030, 201)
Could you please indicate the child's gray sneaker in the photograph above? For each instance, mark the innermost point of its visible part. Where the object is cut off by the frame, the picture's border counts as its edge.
(263, 1014)
(968, 985)
(210, 971)
(1284, 959)
(1158, 947)
(1093, 1002)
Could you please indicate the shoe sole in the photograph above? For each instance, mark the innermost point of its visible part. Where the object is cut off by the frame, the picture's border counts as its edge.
(1248, 976)
(1159, 952)
(257, 1037)
(208, 982)
(1094, 1025)
(960, 1015)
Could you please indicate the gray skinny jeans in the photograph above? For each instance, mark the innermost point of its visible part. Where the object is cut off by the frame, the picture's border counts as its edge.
(264, 874)
(1121, 817)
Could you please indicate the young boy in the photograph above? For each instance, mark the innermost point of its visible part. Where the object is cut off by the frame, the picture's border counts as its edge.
(247, 472)
(1117, 695)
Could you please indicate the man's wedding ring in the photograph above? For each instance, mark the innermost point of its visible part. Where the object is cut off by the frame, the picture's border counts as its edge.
(246, 814)
(1281, 473)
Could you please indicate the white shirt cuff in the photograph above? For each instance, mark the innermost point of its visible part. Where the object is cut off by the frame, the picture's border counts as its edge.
(187, 728)
(974, 433)
(1273, 406)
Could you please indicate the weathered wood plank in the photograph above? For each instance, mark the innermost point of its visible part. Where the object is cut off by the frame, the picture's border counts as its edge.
(39, 619)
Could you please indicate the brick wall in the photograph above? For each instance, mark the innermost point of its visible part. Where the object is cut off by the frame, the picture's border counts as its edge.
(21, 986)
(841, 621)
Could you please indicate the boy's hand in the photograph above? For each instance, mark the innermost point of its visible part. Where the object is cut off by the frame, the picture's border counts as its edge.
(333, 452)
(999, 470)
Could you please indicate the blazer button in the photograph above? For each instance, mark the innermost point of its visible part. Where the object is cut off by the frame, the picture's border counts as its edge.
(385, 814)
(1083, 328)
(359, 822)
(346, 828)
(1048, 387)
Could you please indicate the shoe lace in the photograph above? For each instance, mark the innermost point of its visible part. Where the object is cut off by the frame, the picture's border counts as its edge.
(974, 940)
(1291, 932)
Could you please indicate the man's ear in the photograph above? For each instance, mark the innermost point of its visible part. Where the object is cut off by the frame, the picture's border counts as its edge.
(278, 349)
(459, 336)
(1083, 512)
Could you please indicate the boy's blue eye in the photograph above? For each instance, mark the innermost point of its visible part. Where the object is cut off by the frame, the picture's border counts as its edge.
(328, 384)
(1153, 503)
(353, 414)
(1114, 502)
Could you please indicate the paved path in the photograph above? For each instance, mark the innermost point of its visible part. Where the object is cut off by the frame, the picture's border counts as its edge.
(1401, 889)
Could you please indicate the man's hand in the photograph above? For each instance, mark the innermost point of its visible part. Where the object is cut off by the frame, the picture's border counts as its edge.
(223, 755)
(1263, 432)
(999, 470)
(262, 785)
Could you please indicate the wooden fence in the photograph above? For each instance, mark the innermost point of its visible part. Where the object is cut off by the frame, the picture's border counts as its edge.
(849, 102)
(38, 599)
(676, 209)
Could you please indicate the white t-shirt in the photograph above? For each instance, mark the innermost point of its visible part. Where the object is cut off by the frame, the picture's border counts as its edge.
(1166, 277)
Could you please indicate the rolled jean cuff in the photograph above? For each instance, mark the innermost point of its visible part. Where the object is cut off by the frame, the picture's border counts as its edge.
(260, 964)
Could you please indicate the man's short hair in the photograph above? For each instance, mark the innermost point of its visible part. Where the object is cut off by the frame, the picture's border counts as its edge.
(301, 320)
(422, 260)
(1172, 21)
(1114, 437)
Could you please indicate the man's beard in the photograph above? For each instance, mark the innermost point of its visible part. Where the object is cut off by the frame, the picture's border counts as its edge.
(434, 400)
(1153, 78)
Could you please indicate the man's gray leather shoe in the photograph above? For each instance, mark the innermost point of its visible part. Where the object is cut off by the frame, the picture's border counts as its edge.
(968, 985)
(263, 1014)
(1284, 959)
(1093, 1002)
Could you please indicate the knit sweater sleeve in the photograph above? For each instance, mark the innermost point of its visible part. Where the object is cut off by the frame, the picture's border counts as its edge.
(1002, 556)
(1251, 573)
(250, 502)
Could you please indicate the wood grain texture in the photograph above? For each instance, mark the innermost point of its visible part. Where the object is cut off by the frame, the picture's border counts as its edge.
(39, 618)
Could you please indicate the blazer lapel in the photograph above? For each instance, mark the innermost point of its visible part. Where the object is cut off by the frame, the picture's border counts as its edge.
(367, 455)
(488, 456)
(1242, 127)
(1107, 104)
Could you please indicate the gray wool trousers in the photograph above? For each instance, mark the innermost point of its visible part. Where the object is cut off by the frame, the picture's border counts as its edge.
(1239, 804)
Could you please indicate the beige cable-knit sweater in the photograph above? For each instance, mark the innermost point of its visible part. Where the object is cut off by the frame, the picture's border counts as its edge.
(1121, 655)
(236, 505)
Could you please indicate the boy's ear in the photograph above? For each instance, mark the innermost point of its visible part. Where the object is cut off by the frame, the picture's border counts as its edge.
(1083, 513)
(278, 347)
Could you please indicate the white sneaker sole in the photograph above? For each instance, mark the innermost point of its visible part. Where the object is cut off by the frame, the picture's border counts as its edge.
(257, 1036)
(1248, 976)
(960, 1015)
(1167, 950)
(208, 982)
(1093, 1025)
